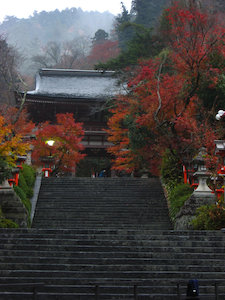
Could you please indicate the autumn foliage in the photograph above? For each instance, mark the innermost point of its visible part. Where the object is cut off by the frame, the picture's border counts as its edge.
(66, 151)
(164, 109)
(102, 52)
(14, 127)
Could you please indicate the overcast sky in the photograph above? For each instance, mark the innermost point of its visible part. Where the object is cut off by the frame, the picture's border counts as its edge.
(25, 8)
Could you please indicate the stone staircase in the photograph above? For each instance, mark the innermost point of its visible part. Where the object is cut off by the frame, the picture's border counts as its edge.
(100, 203)
(106, 239)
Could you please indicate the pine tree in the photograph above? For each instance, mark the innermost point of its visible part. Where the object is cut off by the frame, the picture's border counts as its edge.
(124, 32)
(147, 11)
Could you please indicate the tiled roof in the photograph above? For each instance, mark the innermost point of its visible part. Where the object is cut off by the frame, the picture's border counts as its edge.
(81, 84)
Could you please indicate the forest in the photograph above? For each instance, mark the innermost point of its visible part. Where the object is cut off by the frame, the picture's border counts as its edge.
(32, 36)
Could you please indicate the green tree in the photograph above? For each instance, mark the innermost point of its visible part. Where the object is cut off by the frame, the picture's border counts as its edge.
(9, 77)
(124, 32)
(147, 12)
(144, 45)
(100, 36)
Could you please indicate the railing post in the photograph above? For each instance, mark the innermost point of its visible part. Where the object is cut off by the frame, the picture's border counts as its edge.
(178, 291)
(216, 291)
(135, 292)
(96, 292)
(35, 293)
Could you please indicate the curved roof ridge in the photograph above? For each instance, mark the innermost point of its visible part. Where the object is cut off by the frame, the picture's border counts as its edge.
(80, 84)
(73, 72)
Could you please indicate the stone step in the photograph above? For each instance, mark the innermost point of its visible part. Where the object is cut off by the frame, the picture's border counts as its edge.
(120, 269)
(110, 220)
(128, 213)
(62, 223)
(103, 276)
(85, 234)
(148, 289)
(107, 202)
(102, 289)
(184, 235)
(78, 253)
(140, 282)
(124, 251)
(89, 296)
(102, 202)
(144, 243)
(107, 209)
(108, 259)
(96, 191)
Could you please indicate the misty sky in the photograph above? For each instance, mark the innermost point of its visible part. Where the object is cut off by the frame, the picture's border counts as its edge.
(25, 8)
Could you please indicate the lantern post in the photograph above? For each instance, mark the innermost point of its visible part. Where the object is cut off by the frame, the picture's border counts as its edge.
(47, 170)
(220, 150)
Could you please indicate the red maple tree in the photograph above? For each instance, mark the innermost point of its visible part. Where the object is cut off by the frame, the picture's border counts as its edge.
(67, 136)
(102, 52)
(163, 109)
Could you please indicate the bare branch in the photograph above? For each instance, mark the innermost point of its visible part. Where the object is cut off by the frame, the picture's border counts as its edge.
(158, 90)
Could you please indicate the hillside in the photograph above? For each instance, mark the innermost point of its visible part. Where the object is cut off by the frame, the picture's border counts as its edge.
(31, 35)
(72, 30)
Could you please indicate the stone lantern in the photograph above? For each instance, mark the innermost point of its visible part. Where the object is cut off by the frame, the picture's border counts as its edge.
(203, 195)
(202, 173)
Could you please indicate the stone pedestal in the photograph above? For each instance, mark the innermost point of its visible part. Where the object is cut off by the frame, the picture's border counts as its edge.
(188, 211)
(5, 185)
(13, 208)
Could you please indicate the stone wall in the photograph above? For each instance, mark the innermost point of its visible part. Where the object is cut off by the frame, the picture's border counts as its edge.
(188, 211)
(13, 208)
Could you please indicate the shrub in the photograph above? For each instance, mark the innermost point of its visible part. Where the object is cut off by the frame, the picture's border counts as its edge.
(209, 217)
(177, 197)
(21, 194)
(171, 169)
(24, 186)
(24, 190)
(5, 171)
(22, 183)
(6, 223)
(172, 177)
(29, 175)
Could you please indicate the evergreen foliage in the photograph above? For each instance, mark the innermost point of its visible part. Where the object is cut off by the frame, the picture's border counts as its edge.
(100, 36)
(29, 175)
(5, 171)
(6, 223)
(144, 44)
(124, 32)
(210, 217)
(25, 188)
(172, 177)
(23, 185)
(177, 197)
(23, 197)
(171, 169)
(147, 12)
(9, 79)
